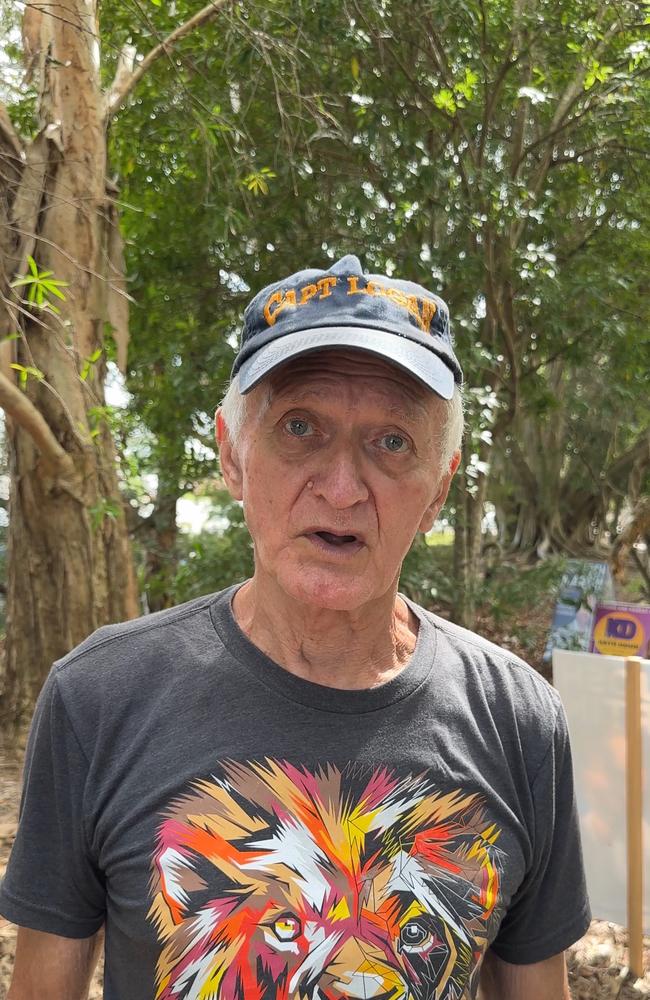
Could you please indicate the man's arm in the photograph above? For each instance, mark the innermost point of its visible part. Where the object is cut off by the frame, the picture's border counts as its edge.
(49, 967)
(545, 980)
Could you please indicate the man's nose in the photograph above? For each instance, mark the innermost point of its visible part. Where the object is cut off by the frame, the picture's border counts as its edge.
(340, 480)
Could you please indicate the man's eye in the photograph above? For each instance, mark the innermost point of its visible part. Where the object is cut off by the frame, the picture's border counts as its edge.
(298, 427)
(394, 442)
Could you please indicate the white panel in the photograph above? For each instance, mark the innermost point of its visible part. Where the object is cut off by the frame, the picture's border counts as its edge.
(592, 688)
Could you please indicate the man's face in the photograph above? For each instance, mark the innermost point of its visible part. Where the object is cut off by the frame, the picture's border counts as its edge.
(338, 467)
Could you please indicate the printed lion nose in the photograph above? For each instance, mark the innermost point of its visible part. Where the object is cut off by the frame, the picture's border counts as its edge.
(390, 995)
(360, 972)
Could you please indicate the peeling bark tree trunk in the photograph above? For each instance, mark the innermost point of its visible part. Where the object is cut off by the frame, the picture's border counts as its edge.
(70, 567)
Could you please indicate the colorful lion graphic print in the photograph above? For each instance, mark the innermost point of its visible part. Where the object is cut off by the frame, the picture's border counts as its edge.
(271, 882)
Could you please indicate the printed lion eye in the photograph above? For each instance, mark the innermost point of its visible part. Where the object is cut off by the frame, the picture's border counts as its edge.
(414, 935)
(287, 928)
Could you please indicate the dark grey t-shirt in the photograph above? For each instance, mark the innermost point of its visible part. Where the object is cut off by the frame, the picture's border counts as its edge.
(245, 834)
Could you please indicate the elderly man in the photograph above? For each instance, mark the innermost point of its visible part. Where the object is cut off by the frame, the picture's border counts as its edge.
(306, 786)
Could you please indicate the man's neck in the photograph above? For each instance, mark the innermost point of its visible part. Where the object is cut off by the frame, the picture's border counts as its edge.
(354, 650)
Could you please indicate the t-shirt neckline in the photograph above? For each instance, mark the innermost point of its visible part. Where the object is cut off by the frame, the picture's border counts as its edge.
(319, 696)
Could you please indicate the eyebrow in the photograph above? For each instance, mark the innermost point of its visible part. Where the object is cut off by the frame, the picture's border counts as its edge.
(413, 404)
(409, 410)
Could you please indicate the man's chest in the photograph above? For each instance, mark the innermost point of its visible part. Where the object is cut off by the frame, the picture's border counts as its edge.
(295, 861)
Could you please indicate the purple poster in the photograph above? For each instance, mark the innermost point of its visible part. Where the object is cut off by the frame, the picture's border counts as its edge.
(621, 630)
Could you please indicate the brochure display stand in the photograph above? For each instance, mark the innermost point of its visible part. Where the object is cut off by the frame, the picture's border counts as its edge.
(607, 702)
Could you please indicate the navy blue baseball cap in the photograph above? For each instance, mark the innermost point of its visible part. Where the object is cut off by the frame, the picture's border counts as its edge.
(314, 310)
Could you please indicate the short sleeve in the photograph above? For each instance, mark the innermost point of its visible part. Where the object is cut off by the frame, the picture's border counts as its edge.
(551, 909)
(51, 883)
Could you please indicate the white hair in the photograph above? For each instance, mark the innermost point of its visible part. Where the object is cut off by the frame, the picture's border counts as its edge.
(234, 405)
(233, 410)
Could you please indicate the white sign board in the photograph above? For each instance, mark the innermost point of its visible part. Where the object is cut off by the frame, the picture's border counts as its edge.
(592, 689)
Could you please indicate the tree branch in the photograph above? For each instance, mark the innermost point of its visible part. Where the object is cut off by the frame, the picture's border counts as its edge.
(587, 332)
(572, 93)
(124, 83)
(22, 410)
(12, 156)
(9, 135)
(637, 528)
(640, 449)
(582, 243)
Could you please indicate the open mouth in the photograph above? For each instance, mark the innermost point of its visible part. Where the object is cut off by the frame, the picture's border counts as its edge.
(331, 541)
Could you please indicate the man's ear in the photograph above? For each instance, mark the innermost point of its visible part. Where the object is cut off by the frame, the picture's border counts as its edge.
(228, 458)
(432, 511)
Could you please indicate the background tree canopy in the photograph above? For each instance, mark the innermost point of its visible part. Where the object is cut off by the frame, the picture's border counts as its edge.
(496, 152)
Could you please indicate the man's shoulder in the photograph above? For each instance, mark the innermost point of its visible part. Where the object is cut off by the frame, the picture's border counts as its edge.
(153, 634)
(501, 672)
(464, 638)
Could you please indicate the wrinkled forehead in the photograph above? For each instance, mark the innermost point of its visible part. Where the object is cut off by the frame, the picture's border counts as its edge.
(359, 372)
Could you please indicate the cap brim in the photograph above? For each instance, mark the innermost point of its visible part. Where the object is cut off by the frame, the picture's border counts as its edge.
(413, 358)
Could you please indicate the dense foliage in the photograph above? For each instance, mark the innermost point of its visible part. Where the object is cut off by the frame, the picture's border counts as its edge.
(495, 151)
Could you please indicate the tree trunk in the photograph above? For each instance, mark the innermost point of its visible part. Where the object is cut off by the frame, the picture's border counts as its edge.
(463, 610)
(70, 567)
(161, 556)
(476, 508)
(69, 563)
(467, 563)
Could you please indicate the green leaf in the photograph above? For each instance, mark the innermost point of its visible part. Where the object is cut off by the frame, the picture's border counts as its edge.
(50, 287)
(467, 86)
(105, 507)
(41, 286)
(257, 181)
(24, 371)
(89, 362)
(597, 73)
(444, 100)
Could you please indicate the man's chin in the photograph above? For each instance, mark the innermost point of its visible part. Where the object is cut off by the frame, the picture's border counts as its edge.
(327, 588)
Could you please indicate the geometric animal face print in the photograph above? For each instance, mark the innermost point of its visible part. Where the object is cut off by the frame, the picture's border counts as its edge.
(273, 882)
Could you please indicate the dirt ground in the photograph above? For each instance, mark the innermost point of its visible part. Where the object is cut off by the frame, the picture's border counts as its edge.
(597, 963)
